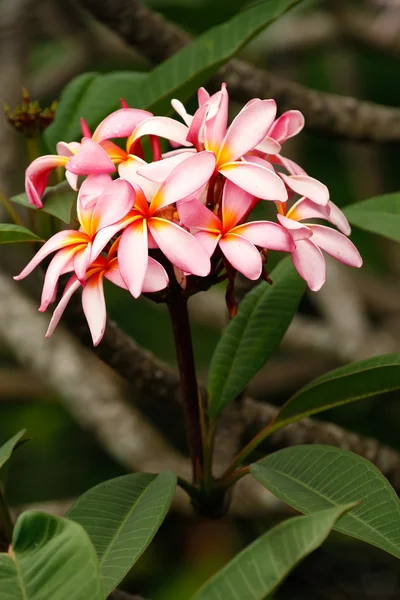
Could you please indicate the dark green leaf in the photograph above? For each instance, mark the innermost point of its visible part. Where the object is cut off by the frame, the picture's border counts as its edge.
(121, 517)
(252, 336)
(51, 559)
(313, 478)
(261, 567)
(379, 215)
(11, 234)
(349, 383)
(94, 96)
(7, 449)
(57, 201)
(91, 96)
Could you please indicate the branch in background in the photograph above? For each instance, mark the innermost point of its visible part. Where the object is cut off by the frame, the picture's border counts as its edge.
(342, 116)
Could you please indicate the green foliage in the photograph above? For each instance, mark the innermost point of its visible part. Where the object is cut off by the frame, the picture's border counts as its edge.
(11, 234)
(313, 478)
(57, 201)
(261, 567)
(94, 96)
(252, 336)
(349, 383)
(8, 448)
(378, 215)
(121, 517)
(51, 558)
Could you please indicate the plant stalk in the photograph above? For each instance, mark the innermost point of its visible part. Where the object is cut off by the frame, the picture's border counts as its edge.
(192, 402)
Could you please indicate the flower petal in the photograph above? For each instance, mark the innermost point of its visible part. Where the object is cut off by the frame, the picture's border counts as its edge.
(208, 240)
(291, 167)
(182, 112)
(269, 146)
(288, 125)
(196, 130)
(37, 175)
(195, 215)
(242, 255)
(94, 306)
(188, 177)
(113, 204)
(159, 170)
(128, 170)
(180, 247)
(297, 230)
(307, 209)
(61, 263)
(82, 262)
(337, 217)
(256, 180)
(91, 159)
(216, 120)
(67, 149)
(113, 274)
(133, 256)
(91, 189)
(156, 277)
(164, 127)
(310, 264)
(57, 241)
(307, 186)
(202, 96)
(120, 123)
(266, 235)
(71, 287)
(236, 203)
(336, 244)
(247, 130)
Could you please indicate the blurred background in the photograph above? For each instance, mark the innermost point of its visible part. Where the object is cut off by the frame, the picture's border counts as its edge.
(344, 47)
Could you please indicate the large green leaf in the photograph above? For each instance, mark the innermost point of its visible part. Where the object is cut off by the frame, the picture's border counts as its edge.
(51, 559)
(313, 478)
(11, 234)
(261, 567)
(94, 96)
(379, 215)
(91, 96)
(57, 201)
(7, 449)
(349, 383)
(121, 517)
(252, 336)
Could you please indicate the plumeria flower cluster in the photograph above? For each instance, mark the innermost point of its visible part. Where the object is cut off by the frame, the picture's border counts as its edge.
(183, 218)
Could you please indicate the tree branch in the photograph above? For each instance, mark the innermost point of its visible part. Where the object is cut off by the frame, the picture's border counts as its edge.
(340, 116)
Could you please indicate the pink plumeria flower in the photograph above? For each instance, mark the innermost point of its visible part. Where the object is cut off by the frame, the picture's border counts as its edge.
(237, 242)
(209, 131)
(101, 204)
(96, 154)
(93, 301)
(151, 223)
(310, 239)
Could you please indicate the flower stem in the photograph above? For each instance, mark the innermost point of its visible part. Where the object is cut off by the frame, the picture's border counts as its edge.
(10, 209)
(245, 452)
(192, 401)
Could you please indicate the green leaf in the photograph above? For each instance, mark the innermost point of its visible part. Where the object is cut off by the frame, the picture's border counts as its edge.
(57, 201)
(51, 559)
(181, 75)
(252, 336)
(378, 215)
(11, 234)
(121, 517)
(8, 448)
(313, 478)
(91, 96)
(349, 383)
(94, 96)
(261, 567)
